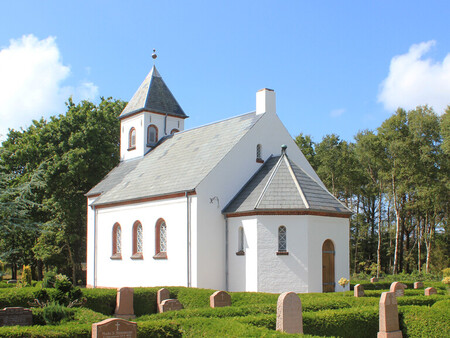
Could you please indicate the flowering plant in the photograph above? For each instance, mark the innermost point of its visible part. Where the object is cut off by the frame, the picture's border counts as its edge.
(343, 282)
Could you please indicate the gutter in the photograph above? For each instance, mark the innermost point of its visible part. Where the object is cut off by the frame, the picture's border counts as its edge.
(226, 252)
(95, 247)
(188, 239)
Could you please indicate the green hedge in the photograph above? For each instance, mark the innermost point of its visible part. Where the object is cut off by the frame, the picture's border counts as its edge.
(101, 300)
(382, 285)
(421, 321)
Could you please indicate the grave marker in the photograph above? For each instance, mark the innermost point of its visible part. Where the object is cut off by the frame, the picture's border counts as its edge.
(389, 327)
(430, 291)
(124, 303)
(11, 316)
(170, 305)
(289, 313)
(374, 280)
(358, 290)
(219, 299)
(114, 328)
(398, 288)
(161, 296)
(418, 285)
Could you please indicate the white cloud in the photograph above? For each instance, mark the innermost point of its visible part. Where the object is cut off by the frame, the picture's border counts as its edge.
(337, 112)
(31, 82)
(413, 80)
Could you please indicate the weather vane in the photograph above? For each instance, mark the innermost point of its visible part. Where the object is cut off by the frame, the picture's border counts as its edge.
(154, 56)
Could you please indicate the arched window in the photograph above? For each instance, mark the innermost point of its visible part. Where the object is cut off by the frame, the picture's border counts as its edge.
(117, 242)
(137, 240)
(152, 134)
(132, 139)
(160, 239)
(240, 251)
(173, 131)
(259, 153)
(282, 240)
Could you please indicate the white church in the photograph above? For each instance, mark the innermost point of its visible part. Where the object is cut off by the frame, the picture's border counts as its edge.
(233, 205)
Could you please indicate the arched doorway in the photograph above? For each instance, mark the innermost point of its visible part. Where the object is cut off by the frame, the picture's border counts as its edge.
(328, 282)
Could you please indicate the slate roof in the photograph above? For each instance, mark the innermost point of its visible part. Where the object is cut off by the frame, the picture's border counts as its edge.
(153, 95)
(282, 185)
(178, 164)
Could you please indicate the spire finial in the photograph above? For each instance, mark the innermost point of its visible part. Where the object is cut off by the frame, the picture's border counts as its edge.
(283, 148)
(154, 56)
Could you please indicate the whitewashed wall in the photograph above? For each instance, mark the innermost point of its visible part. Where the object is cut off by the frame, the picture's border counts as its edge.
(243, 270)
(148, 271)
(225, 181)
(321, 229)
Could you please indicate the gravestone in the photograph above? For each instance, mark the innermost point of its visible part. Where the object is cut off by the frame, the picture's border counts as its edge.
(289, 313)
(114, 328)
(389, 327)
(398, 288)
(161, 296)
(11, 316)
(430, 291)
(219, 299)
(358, 290)
(374, 280)
(124, 303)
(170, 305)
(418, 285)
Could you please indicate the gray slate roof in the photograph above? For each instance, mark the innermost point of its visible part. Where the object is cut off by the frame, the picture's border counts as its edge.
(178, 164)
(282, 185)
(153, 95)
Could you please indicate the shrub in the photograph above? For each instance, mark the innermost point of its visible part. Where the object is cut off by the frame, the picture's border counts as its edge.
(49, 279)
(101, 300)
(53, 313)
(160, 328)
(144, 301)
(446, 272)
(26, 275)
(423, 321)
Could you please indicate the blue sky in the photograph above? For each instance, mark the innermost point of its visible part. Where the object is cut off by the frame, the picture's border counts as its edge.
(336, 66)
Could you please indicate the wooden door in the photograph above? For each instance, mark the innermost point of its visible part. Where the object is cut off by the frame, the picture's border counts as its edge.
(328, 282)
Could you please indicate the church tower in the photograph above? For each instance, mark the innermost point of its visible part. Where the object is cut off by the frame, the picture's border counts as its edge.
(152, 113)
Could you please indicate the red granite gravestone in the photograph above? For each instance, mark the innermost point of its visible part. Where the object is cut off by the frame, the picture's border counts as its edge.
(374, 280)
(418, 285)
(11, 316)
(124, 303)
(170, 305)
(358, 290)
(430, 291)
(289, 313)
(114, 328)
(398, 288)
(161, 296)
(219, 299)
(389, 327)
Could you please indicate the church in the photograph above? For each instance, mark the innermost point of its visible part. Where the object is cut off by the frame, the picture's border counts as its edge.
(233, 205)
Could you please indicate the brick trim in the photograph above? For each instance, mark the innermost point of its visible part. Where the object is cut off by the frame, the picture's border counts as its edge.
(288, 212)
(145, 199)
(153, 112)
(240, 253)
(131, 146)
(282, 253)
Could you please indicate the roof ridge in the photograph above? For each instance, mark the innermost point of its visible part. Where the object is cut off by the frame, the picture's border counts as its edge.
(297, 183)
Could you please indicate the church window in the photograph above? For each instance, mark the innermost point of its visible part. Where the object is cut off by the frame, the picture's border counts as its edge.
(117, 242)
(240, 251)
(137, 240)
(259, 153)
(160, 239)
(152, 135)
(173, 131)
(282, 240)
(132, 139)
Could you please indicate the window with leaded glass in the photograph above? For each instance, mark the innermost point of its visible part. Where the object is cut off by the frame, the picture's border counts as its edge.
(160, 240)
(117, 242)
(282, 239)
(137, 240)
(163, 238)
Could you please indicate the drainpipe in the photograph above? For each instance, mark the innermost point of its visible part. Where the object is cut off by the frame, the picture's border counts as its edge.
(95, 247)
(226, 252)
(188, 240)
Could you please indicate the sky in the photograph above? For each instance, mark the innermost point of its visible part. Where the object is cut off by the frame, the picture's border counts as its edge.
(336, 66)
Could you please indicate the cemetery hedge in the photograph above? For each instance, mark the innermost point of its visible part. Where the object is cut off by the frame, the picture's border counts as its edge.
(252, 314)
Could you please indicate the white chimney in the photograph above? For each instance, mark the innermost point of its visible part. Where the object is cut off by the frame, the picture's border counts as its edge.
(265, 101)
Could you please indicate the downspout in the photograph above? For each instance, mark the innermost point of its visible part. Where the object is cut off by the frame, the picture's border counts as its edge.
(226, 252)
(188, 239)
(95, 247)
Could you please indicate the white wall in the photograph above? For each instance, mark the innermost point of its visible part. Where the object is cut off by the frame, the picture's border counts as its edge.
(320, 229)
(281, 273)
(243, 270)
(148, 271)
(224, 181)
(90, 257)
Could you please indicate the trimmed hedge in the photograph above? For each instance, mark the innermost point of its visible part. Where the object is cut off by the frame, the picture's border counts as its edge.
(101, 300)
(421, 321)
(384, 285)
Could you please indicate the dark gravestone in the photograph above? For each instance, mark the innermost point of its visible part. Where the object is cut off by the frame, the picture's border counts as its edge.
(170, 305)
(114, 328)
(11, 316)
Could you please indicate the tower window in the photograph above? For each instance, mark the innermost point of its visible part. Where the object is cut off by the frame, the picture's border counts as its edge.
(132, 139)
(152, 135)
(173, 131)
(240, 251)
